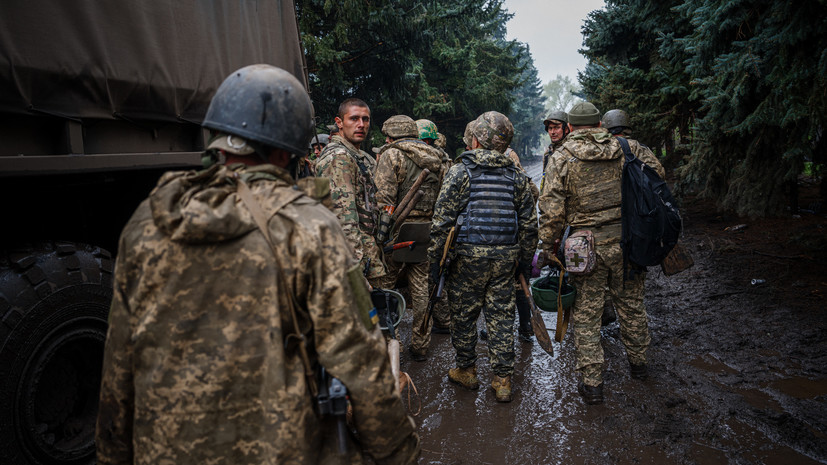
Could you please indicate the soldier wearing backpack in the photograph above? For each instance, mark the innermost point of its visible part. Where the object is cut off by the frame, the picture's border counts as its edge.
(582, 189)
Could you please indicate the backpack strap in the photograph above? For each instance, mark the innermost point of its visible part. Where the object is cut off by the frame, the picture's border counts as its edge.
(627, 151)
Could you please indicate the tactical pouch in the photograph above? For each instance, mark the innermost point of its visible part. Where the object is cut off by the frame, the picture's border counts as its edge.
(383, 232)
(579, 253)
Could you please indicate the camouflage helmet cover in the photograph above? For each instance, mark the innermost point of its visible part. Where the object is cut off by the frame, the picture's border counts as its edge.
(399, 126)
(427, 129)
(493, 131)
(466, 136)
(584, 114)
(615, 118)
(441, 141)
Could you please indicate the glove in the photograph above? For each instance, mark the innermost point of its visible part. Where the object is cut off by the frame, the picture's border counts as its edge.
(434, 273)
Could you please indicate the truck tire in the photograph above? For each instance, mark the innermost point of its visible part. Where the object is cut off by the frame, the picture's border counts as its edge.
(54, 300)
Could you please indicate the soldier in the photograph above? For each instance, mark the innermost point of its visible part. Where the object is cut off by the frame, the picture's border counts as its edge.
(617, 122)
(556, 124)
(352, 188)
(230, 285)
(401, 161)
(490, 203)
(582, 190)
(307, 165)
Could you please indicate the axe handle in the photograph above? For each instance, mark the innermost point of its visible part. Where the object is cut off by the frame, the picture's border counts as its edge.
(410, 195)
(401, 219)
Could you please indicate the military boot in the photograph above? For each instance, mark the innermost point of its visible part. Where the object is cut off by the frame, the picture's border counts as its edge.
(465, 377)
(502, 388)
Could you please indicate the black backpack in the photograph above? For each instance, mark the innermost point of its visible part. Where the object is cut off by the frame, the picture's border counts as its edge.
(651, 223)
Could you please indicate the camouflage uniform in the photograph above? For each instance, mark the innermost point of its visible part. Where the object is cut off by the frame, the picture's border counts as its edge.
(481, 277)
(353, 192)
(201, 362)
(582, 189)
(546, 156)
(399, 165)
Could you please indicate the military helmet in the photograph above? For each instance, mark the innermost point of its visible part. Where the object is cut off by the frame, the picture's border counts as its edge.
(441, 141)
(493, 131)
(584, 114)
(556, 115)
(319, 139)
(615, 119)
(466, 136)
(263, 104)
(399, 126)
(427, 129)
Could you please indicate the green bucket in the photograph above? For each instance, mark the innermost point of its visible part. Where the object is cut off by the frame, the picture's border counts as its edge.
(544, 291)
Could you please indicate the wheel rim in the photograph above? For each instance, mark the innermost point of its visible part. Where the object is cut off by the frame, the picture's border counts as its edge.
(57, 400)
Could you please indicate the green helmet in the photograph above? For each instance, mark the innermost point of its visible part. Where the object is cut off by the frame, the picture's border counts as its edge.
(584, 114)
(427, 129)
(556, 115)
(400, 126)
(493, 131)
(615, 119)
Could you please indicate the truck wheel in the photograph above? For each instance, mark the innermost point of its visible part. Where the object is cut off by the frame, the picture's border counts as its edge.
(54, 300)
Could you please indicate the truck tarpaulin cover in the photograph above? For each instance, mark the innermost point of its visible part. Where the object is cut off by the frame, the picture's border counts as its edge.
(160, 60)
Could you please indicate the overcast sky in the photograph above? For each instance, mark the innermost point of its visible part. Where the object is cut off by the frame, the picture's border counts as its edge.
(541, 22)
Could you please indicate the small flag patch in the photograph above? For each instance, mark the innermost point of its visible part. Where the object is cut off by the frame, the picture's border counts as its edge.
(374, 316)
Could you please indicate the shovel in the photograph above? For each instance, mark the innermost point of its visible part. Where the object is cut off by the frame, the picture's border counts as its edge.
(537, 323)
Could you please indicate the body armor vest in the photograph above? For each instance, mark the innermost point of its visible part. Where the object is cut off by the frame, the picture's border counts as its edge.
(596, 188)
(490, 218)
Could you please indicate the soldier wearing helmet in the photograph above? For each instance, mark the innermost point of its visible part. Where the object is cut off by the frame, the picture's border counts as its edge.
(489, 202)
(231, 288)
(352, 187)
(617, 122)
(402, 159)
(556, 125)
(582, 190)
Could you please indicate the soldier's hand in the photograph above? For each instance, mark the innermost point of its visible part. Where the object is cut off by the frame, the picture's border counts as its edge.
(543, 259)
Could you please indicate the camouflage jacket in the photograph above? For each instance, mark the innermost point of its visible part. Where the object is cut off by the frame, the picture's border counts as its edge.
(201, 362)
(353, 193)
(398, 166)
(590, 200)
(453, 198)
(515, 157)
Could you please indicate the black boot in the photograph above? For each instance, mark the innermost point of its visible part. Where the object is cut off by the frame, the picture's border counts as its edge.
(591, 394)
(524, 315)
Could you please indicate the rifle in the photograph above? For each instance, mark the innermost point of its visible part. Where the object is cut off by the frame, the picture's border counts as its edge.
(332, 400)
(444, 263)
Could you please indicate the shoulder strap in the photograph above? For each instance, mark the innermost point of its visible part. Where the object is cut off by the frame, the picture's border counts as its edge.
(261, 221)
(627, 151)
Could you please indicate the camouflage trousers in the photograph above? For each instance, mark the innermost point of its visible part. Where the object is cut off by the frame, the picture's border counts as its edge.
(588, 309)
(418, 304)
(484, 285)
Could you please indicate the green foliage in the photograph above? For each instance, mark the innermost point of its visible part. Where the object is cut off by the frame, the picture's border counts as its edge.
(747, 77)
(443, 60)
(561, 93)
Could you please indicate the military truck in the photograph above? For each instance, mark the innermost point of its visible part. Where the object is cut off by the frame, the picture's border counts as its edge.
(97, 99)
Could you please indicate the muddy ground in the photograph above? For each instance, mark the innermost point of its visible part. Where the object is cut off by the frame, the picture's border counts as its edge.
(738, 372)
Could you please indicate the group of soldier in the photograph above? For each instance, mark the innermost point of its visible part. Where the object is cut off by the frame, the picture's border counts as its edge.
(240, 287)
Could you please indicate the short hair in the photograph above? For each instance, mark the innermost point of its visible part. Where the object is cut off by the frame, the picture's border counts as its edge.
(351, 102)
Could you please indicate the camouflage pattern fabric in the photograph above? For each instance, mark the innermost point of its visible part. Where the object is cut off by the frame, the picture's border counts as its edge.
(492, 293)
(353, 194)
(588, 310)
(562, 193)
(515, 158)
(453, 198)
(493, 130)
(399, 165)
(199, 366)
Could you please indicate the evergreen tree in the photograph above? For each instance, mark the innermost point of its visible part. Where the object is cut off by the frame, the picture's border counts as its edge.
(528, 109)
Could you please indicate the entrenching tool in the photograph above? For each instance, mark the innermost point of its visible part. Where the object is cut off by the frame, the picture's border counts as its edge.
(537, 323)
